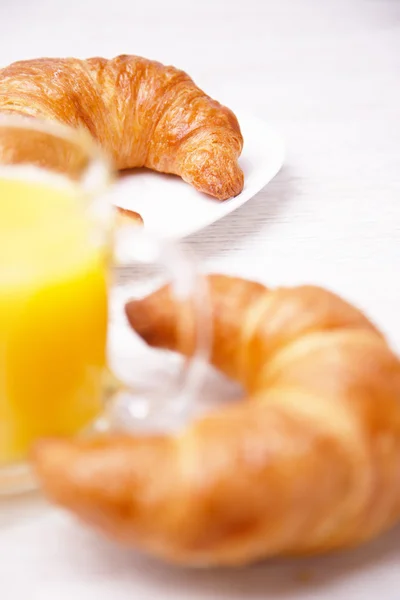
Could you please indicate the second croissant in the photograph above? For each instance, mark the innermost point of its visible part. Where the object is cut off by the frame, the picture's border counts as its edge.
(307, 462)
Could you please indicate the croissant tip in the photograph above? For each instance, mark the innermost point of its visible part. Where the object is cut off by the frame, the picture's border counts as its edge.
(47, 453)
(152, 324)
(226, 189)
(128, 217)
(48, 459)
(139, 319)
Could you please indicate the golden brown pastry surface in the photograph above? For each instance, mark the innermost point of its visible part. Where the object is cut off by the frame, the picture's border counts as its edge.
(308, 462)
(141, 112)
(129, 217)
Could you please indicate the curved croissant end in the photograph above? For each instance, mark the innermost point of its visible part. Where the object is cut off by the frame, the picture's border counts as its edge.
(310, 462)
(128, 217)
(140, 111)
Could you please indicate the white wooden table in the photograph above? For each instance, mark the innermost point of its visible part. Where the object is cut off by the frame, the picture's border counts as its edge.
(327, 74)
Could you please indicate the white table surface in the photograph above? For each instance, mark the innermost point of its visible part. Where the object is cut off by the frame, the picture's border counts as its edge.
(327, 74)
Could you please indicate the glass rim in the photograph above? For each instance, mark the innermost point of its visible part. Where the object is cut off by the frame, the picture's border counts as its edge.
(97, 159)
(52, 127)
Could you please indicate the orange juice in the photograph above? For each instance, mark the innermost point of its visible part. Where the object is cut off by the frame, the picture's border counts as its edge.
(53, 315)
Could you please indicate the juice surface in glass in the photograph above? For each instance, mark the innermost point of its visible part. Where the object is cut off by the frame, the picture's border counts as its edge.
(53, 315)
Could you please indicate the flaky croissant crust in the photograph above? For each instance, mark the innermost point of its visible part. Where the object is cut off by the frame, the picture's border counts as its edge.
(144, 114)
(308, 462)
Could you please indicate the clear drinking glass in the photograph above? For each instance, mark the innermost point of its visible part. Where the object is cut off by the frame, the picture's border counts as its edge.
(69, 362)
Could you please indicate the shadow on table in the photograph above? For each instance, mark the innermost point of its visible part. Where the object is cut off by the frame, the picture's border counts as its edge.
(309, 578)
(266, 207)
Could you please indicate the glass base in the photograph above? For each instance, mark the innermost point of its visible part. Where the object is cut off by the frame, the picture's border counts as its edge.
(17, 479)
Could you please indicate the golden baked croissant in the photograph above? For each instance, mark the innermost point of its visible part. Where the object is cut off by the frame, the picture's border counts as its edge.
(141, 112)
(308, 462)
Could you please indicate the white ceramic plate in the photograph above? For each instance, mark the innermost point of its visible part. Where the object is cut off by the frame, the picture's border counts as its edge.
(172, 208)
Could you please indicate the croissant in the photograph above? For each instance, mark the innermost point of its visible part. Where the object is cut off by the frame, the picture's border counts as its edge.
(144, 114)
(308, 462)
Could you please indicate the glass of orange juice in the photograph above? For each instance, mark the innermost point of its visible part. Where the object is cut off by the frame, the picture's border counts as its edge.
(59, 291)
